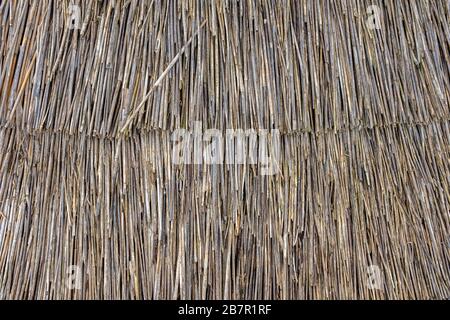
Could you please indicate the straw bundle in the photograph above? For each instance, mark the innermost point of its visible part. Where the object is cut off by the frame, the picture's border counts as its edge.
(88, 182)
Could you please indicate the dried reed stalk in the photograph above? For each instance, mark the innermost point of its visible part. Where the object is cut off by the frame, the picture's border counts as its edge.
(86, 171)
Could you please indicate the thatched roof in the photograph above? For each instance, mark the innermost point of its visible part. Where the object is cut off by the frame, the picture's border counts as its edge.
(358, 90)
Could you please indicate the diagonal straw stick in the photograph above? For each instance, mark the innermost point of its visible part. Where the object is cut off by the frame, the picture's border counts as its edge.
(160, 79)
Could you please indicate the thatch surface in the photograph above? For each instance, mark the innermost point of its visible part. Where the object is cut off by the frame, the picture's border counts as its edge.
(86, 171)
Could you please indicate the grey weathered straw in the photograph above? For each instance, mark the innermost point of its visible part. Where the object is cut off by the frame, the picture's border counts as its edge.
(89, 188)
